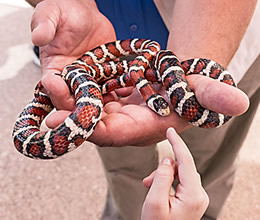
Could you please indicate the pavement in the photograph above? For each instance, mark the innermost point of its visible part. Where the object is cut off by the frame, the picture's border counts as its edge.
(74, 186)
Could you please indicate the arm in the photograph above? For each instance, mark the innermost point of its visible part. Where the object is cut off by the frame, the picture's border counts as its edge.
(213, 31)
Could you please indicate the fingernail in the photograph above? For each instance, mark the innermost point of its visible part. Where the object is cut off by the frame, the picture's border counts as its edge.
(171, 130)
(167, 161)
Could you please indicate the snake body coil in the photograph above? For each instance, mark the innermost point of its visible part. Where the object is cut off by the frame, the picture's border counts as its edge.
(104, 69)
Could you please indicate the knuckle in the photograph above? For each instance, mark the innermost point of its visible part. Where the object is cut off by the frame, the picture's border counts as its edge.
(164, 171)
(154, 205)
(206, 199)
(200, 201)
(198, 177)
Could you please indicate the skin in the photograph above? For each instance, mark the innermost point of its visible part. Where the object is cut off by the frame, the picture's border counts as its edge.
(189, 201)
(64, 30)
(62, 38)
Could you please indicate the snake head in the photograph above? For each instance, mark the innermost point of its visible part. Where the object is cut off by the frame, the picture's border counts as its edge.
(159, 105)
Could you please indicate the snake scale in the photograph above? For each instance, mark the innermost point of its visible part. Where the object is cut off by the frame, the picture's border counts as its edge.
(104, 69)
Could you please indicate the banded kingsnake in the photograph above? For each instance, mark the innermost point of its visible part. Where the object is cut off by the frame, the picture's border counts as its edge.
(101, 70)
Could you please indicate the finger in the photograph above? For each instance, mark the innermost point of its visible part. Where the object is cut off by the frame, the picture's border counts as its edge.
(162, 183)
(147, 181)
(218, 96)
(124, 91)
(56, 118)
(44, 23)
(110, 97)
(187, 172)
(58, 92)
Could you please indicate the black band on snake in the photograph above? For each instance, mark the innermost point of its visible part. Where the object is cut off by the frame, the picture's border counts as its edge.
(104, 69)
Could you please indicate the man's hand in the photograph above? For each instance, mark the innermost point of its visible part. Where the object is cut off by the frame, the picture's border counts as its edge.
(65, 30)
(128, 121)
(190, 199)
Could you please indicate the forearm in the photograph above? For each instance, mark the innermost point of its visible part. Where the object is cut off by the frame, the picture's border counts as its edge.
(212, 31)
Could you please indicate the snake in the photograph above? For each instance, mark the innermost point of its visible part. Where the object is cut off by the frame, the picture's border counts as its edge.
(132, 62)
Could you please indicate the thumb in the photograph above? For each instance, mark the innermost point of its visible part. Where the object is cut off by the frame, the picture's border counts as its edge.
(44, 23)
(218, 96)
(162, 183)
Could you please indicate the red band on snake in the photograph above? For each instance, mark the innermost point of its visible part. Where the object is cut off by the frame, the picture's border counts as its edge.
(104, 69)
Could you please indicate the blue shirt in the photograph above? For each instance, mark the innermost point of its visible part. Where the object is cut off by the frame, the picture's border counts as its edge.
(135, 19)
